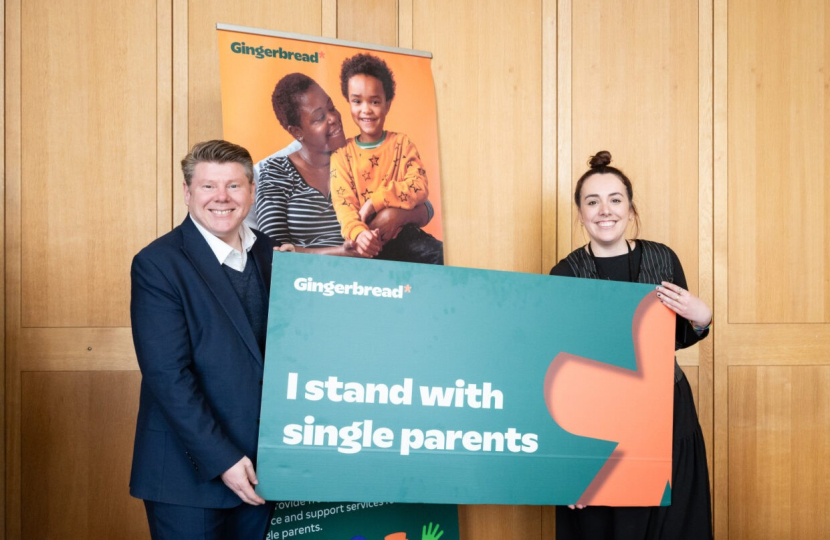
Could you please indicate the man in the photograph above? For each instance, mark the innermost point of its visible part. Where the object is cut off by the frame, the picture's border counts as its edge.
(199, 319)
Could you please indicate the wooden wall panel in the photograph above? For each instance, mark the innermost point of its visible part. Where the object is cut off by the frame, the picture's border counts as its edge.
(77, 440)
(771, 271)
(635, 93)
(88, 110)
(485, 522)
(89, 157)
(779, 215)
(565, 216)
(3, 265)
(720, 473)
(11, 270)
(550, 135)
(488, 85)
(779, 446)
(368, 21)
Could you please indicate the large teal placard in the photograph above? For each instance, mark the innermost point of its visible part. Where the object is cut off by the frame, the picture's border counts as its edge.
(342, 331)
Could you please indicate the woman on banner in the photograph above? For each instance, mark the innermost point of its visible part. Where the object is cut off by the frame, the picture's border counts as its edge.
(605, 202)
(293, 199)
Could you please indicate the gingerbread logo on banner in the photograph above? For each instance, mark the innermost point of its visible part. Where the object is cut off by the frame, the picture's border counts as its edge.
(590, 398)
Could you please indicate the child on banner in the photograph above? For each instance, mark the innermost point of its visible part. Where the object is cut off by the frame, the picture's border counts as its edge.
(378, 169)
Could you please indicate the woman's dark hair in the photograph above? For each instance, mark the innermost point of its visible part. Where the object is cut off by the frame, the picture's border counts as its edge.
(286, 98)
(600, 163)
(366, 64)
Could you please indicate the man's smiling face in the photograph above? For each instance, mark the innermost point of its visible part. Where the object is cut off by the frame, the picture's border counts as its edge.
(218, 198)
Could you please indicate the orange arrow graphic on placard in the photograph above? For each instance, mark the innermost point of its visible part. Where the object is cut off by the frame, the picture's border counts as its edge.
(594, 399)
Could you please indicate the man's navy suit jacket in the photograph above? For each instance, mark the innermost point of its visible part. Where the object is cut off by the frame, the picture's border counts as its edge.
(201, 370)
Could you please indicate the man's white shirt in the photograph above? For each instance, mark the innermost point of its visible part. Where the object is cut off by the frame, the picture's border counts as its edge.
(225, 254)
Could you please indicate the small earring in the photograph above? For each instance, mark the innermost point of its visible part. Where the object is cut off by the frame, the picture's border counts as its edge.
(300, 138)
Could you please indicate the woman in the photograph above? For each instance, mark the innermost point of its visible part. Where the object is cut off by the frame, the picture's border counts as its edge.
(605, 202)
(293, 203)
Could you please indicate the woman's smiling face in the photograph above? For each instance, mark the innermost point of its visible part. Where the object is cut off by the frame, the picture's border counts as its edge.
(605, 210)
(320, 124)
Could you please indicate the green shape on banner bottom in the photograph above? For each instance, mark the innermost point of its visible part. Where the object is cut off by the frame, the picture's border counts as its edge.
(367, 521)
(666, 500)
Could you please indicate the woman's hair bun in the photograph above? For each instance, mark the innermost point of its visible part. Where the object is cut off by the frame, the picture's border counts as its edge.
(601, 159)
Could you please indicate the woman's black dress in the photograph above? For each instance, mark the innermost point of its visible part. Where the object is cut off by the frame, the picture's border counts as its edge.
(689, 516)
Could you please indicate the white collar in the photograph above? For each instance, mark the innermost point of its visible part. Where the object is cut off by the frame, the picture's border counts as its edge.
(223, 251)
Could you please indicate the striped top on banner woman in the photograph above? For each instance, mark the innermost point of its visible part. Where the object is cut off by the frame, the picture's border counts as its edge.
(292, 212)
